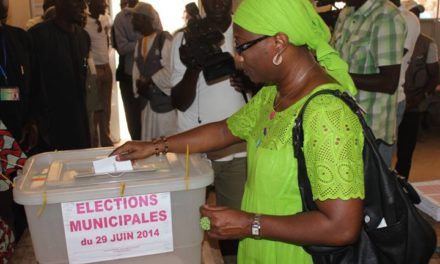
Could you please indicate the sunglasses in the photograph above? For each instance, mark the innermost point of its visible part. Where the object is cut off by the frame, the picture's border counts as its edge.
(239, 49)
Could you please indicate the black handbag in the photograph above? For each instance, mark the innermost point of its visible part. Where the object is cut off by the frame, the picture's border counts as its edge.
(407, 237)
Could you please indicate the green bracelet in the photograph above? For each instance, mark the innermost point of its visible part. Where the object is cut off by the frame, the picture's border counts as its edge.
(205, 223)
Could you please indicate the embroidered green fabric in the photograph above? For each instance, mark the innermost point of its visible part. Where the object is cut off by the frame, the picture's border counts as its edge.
(333, 140)
(333, 149)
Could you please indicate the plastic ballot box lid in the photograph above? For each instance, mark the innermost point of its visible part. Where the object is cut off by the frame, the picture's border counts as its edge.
(67, 176)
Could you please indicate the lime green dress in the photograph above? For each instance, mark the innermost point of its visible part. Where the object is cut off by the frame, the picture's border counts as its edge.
(333, 146)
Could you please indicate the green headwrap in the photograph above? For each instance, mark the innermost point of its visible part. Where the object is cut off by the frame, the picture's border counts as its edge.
(299, 20)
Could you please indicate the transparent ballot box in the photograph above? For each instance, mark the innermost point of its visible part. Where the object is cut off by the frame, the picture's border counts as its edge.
(146, 215)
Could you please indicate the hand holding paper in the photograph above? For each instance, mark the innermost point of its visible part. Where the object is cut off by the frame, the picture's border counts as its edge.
(110, 164)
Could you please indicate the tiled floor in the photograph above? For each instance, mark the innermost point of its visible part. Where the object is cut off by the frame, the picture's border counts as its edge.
(426, 167)
(24, 253)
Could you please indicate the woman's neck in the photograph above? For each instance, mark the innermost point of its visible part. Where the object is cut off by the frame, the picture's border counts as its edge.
(299, 81)
(297, 78)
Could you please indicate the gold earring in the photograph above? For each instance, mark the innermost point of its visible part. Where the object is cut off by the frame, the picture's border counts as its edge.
(277, 59)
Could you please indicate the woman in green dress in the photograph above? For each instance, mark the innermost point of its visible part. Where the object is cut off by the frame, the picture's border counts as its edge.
(284, 43)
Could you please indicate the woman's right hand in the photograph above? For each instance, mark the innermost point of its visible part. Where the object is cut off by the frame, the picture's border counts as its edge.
(134, 150)
(227, 223)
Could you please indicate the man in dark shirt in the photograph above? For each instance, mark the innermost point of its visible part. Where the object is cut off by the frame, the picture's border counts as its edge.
(61, 49)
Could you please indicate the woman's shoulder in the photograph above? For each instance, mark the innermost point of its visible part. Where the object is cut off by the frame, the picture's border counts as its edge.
(326, 102)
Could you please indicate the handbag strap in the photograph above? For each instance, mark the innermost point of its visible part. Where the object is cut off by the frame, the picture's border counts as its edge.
(380, 201)
(298, 132)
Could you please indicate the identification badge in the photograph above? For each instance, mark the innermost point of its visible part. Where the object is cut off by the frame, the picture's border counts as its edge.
(9, 94)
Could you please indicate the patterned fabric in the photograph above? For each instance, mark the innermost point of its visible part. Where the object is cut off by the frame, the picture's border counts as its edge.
(11, 155)
(333, 149)
(368, 38)
(7, 242)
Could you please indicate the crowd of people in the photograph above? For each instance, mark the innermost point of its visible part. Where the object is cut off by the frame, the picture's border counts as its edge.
(294, 56)
(56, 87)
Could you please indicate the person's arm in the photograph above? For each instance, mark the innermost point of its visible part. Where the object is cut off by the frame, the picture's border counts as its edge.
(424, 92)
(413, 32)
(184, 93)
(183, 79)
(38, 107)
(162, 78)
(123, 44)
(336, 223)
(29, 133)
(432, 66)
(206, 138)
(386, 81)
(387, 47)
(432, 69)
(135, 74)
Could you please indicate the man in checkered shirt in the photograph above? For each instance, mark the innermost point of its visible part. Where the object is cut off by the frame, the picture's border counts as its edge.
(370, 36)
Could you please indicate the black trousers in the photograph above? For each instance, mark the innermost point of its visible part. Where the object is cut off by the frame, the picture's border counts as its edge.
(132, 107)
(406, 142)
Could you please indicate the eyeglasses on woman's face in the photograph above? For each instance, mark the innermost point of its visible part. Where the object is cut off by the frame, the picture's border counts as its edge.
(240, 48)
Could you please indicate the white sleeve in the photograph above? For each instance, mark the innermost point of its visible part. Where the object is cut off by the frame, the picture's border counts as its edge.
(162, 78)
(432, 56)
(413, 26)
(135, 72)
(177, 67)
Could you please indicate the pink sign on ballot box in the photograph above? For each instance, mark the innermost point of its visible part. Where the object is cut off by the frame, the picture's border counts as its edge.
(120, 227)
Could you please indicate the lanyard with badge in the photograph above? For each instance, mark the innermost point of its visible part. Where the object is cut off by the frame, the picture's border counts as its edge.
(7, 92)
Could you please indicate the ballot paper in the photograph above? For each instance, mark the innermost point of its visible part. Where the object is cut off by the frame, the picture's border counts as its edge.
(110, 164)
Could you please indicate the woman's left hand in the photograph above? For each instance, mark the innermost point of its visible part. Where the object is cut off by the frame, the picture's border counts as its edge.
(227, 223)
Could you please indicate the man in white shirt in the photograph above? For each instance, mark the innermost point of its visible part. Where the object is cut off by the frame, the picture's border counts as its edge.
(199, 103)
(413, 31)
(420, 81)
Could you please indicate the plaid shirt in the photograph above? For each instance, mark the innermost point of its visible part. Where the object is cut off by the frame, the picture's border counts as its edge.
(366, 39)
